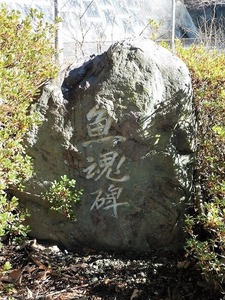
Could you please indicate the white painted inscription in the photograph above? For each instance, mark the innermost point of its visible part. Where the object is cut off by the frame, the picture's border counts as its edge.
(104, 167)
(99, 122)
(108, 165)
(108, 200)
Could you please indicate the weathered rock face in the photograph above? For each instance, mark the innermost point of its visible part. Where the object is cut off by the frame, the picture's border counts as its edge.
(124, 129)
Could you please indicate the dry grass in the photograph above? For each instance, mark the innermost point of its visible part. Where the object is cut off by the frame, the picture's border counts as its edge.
(202, 3)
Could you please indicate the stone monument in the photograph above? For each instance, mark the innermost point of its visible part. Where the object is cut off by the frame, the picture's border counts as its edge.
(123, 127)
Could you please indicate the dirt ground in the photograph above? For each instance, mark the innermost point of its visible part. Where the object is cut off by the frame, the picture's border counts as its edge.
(37, 271)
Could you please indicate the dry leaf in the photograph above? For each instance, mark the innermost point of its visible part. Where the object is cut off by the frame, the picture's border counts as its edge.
(29, 294)
(30, 269)
(183, 264)
(135, 294)
(107, 281)
(43, 275)
(12, 276)
(60, 297)
(37, 262)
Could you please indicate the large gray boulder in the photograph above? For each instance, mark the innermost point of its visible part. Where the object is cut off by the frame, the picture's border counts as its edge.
(124, 128)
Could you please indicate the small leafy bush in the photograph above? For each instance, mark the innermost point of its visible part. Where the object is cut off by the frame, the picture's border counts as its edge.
(11, 219)
(63, 196)
(206, 224)
(26, 63)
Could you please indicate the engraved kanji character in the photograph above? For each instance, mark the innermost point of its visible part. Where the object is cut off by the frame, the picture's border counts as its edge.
(99, 122)
(108, 199)
(104, 166)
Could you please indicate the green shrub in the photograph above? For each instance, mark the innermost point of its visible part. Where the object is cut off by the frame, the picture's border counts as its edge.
(12, 218)
(206, 225)
(26, 62)
(63, 196)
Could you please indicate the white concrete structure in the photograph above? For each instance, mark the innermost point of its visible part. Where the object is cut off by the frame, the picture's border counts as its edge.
(90, 26)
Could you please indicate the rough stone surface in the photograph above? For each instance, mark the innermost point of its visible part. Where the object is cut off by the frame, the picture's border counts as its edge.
(124, 129)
